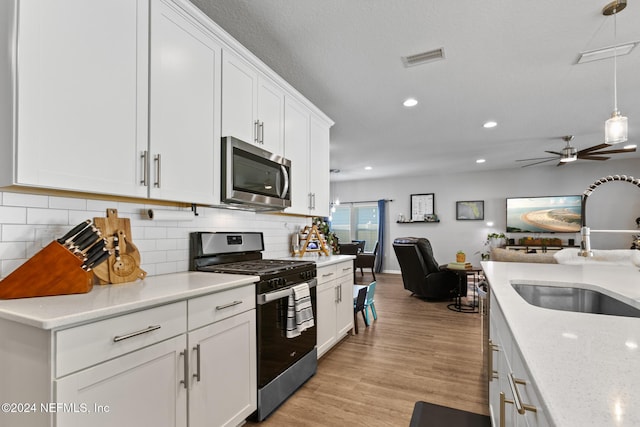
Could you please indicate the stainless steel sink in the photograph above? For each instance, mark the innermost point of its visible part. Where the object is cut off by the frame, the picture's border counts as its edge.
(574, 299)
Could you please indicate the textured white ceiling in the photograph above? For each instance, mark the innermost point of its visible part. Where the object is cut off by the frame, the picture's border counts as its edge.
(509, 61)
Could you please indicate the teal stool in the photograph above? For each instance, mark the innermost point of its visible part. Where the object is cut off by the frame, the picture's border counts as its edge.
(369, 303)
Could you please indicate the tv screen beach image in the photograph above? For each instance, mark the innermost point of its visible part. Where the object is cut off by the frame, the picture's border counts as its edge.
(553, 214)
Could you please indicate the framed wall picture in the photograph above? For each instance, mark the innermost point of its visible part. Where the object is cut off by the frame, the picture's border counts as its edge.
(470, 210)
(421, 206)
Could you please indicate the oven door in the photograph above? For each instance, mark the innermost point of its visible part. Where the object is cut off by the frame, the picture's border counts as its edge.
(276, 352)
(254, 176)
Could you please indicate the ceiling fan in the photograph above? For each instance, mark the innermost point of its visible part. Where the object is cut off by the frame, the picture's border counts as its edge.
(570, 153)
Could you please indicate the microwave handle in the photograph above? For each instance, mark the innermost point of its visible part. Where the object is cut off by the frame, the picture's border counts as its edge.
(285, 187)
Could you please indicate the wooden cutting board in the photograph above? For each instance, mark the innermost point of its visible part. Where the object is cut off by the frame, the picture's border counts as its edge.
(124, 263)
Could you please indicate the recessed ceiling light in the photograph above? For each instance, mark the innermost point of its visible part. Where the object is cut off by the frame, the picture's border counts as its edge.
(411, 102)
(368, 168)
(480, 161)
(490, 124)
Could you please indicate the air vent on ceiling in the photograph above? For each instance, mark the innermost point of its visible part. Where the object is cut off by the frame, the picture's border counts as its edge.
(423, 58)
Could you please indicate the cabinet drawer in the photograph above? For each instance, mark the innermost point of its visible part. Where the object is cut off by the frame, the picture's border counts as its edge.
(86, 345)
(220, 305)
(327, 273)
(344, 269)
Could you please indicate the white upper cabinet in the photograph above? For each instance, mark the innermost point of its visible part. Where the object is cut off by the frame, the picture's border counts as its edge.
(307, 146)
(81, 94)
(131, 98)
(296, 148)
(270, 115)
(319, 170)
(252, 105)
(184, 110)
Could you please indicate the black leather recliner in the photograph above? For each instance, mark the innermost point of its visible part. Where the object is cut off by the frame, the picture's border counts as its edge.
(421, 274)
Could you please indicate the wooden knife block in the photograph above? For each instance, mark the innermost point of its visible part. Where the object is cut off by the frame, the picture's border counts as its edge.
(52, 271)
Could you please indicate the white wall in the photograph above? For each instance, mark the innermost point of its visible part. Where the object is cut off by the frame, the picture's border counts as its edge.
(614, 205)
(30, 222)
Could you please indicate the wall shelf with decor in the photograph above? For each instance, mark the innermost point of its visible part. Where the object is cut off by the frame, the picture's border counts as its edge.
(418, 222)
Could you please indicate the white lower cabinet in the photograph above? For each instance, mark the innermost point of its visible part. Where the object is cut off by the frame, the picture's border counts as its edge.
(142, 387)
(334, 304)
(184, 363)
(513, 400)
(223, 372)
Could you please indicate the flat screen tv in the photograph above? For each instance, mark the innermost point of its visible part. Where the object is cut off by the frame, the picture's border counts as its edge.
(552, 214)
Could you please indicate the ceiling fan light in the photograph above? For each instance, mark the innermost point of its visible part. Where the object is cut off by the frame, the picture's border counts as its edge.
(615, 129)
(569, 154)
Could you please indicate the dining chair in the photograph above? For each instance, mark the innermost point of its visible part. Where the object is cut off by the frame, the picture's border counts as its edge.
(367, 260)
(358, 307)
(369, 303)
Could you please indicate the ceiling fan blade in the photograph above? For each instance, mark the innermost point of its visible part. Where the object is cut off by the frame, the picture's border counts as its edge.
(554, 152)
(594, 148)
(620, 150)
(592, 157)
(537, 163)
(536, 158)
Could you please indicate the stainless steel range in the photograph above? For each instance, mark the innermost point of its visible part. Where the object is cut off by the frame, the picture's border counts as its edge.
(284, 364)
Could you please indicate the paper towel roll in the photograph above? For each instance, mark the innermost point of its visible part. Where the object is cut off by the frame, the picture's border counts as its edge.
(167, 215)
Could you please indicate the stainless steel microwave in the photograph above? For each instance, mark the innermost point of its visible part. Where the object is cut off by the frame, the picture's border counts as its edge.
(254, 177)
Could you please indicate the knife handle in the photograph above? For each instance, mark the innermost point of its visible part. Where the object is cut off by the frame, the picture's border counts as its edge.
(75, 230)
(99, 260)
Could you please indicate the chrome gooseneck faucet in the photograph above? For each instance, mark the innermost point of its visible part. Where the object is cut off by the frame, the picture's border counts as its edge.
(585, 248)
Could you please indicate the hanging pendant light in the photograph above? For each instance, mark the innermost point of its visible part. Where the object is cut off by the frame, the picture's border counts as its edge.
(615, 129)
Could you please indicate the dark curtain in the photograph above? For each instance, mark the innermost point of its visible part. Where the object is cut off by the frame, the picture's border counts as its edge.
(381, 232)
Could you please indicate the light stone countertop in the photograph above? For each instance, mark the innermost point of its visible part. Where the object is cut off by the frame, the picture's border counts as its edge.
(323, 261)
(586, 367)
(102, 301)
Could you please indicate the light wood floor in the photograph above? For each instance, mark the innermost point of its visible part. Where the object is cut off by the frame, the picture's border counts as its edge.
(416, 350)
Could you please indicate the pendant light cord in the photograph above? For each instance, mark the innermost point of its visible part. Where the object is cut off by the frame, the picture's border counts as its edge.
(615, 63)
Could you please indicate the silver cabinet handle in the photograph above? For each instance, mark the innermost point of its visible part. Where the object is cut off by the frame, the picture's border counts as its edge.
(261, 128)
(231, 304)
(197, 374)
(313, 200)
(346, 269)
(337, 300)
(186, 368)
(327, 275)
(256, 126)
(157, 159)
(119, 338)
(145, 168)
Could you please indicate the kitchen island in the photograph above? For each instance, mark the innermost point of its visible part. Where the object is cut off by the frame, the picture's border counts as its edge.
(583, 368)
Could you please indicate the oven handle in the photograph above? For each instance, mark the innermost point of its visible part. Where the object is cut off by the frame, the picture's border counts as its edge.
(272, 296)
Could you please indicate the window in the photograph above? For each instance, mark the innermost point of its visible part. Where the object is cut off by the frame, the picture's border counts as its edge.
(357, 222)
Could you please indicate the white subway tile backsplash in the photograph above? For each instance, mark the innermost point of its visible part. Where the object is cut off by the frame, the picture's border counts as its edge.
(47, 216)
(25, 200)
(101, 206)
(18, 233)
(13, 215)
(13, 250)
(30, 222)
(155, 233)
(67, 203)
